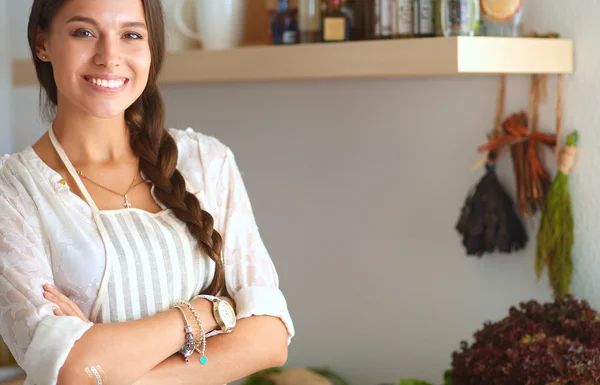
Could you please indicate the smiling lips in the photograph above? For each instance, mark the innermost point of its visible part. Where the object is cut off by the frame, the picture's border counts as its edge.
(107, 83)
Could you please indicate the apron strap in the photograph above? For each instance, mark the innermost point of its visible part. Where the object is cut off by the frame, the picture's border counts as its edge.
(109, 247)
(63, 156)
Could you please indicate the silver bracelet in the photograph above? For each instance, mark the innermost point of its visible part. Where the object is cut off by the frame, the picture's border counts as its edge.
(203, 358)
(202, 342)
(189, 346)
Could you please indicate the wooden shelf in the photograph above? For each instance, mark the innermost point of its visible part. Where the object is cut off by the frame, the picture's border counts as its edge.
(437, 56)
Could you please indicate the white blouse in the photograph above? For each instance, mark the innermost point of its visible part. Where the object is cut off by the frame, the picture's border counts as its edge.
(48, 235)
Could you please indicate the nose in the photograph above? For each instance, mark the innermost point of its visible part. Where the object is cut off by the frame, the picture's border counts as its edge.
(108, 53)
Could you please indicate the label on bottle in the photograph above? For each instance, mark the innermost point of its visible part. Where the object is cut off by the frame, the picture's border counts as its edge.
(424, 17)
(404, 17)
(500, 10)
(384, 17)
(334, 29)
(288, 37)
(459, 13)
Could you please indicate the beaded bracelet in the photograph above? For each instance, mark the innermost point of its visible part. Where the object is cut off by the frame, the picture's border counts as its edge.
(201, 351)
(189, 346)
(203, 358)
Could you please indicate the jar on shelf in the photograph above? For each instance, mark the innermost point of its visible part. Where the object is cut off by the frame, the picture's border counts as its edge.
(459, 17)
(501, 17)
(309, 20)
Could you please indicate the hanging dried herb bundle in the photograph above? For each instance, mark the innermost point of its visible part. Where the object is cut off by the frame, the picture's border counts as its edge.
(531, 178)
(522, 137)
(537, 183)
(489, 221)
(555, 235)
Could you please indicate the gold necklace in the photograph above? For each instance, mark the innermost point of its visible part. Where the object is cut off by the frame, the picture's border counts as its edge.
(127, 204)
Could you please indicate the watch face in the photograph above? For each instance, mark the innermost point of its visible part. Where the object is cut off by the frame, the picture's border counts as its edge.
(227, 314)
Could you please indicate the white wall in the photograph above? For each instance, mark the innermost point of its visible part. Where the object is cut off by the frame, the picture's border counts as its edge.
(357, 198)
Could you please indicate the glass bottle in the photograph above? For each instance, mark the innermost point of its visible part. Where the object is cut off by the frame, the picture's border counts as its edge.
(335, 25)
(403, 19)
(284, 26)
(363, 24)
(424, 18)
(349, 10)
(384, 18)
(501, 17)
(309, 14)
(459, 17)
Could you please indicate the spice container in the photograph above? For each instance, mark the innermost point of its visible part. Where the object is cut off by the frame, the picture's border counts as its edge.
(459, 17)
(403, 19)
(424, 18)
(385, 12)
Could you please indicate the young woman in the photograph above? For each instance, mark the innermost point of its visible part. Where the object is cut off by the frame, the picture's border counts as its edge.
(111, 225)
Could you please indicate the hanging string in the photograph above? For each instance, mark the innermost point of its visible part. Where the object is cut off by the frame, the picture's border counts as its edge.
(500, 101)
(497, 130)
(531, 108)
(559, 111)
(543, 87)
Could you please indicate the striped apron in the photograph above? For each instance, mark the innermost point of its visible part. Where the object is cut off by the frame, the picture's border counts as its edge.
(151, 259)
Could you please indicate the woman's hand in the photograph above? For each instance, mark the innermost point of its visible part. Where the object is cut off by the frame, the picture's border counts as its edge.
(66, 307)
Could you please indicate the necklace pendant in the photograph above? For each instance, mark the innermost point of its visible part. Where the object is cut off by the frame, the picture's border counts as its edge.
(127, 204)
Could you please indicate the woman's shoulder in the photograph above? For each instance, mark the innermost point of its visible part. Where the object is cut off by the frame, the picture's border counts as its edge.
(201, 157)
(189, 139)
(11, 166)
(194, 146)
(3, 159)
(14, 173)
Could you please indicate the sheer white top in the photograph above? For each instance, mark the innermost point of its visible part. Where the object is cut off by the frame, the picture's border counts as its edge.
(119, 265)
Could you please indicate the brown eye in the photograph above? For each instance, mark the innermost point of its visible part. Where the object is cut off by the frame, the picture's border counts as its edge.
(82, 33)
(133, 36)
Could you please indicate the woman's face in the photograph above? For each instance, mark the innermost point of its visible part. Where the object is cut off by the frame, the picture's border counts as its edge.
(100, 55)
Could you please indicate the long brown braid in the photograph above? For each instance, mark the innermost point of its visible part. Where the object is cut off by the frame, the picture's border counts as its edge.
(149, 139)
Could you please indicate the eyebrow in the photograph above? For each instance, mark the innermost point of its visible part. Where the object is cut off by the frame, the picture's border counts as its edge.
(128, 24)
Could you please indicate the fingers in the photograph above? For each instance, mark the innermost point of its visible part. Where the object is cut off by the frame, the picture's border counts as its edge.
(66, 305)
(62, 307)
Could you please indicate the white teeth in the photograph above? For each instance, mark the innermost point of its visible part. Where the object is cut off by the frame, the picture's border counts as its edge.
(113, 83)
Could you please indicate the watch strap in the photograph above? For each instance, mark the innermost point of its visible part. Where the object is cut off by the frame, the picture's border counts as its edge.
(208, 297)
(214, 333)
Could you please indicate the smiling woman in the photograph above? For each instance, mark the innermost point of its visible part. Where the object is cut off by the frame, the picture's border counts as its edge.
(129, 252)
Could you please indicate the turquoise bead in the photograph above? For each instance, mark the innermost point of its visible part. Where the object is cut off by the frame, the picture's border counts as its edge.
(203, 360)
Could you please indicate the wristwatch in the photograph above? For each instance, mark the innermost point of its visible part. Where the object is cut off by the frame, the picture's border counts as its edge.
(224, 314)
